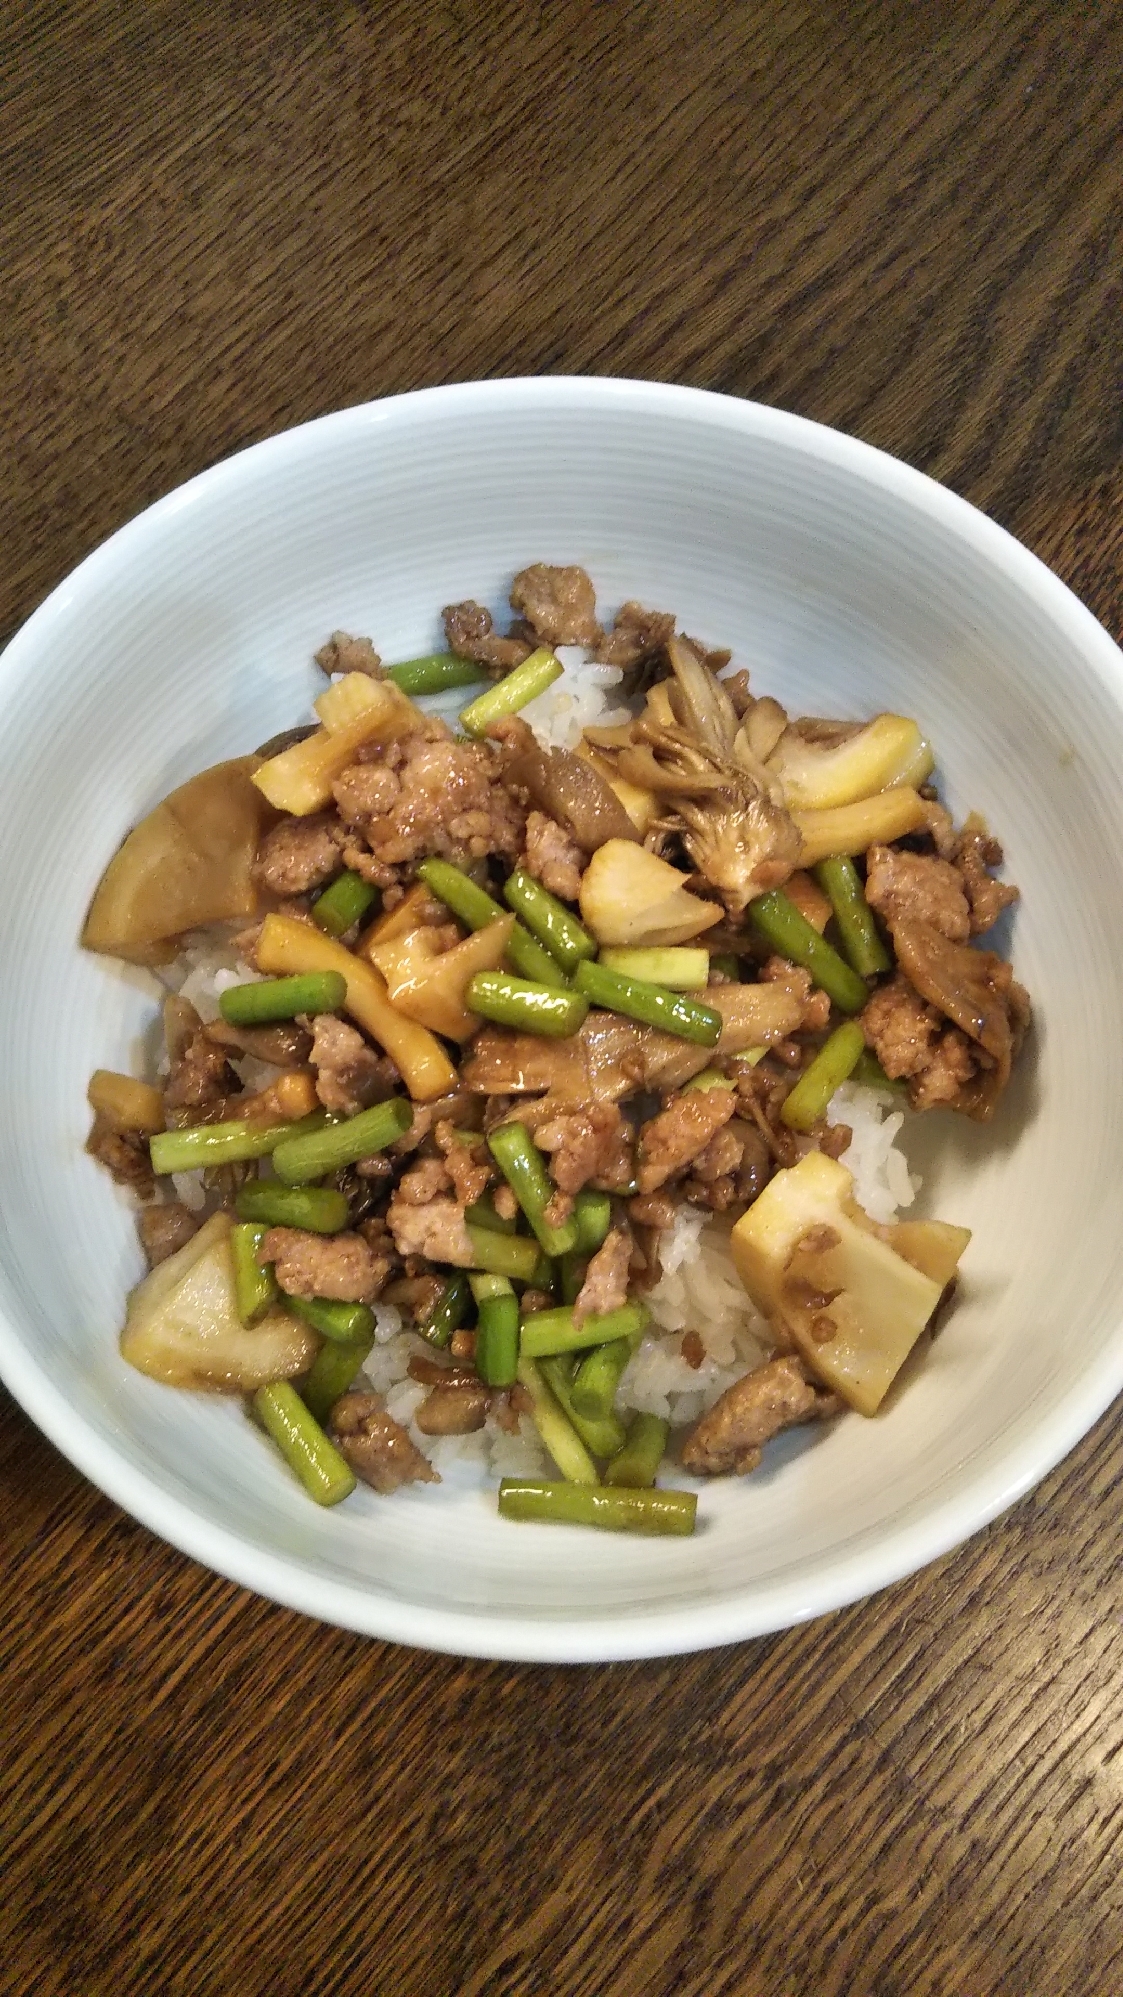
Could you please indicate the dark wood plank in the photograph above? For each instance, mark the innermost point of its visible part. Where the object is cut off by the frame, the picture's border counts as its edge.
(220, 220)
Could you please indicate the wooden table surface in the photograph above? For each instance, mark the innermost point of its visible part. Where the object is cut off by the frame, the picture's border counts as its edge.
(219, 219)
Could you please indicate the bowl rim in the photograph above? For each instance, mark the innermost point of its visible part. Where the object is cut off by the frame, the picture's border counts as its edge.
(899, 1549)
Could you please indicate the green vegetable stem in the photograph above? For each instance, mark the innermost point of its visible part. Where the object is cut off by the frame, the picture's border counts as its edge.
(302, 1442)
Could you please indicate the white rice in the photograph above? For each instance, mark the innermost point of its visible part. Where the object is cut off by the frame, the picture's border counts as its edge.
(581, 698)
(882, 1180)
(207, 968)
(698, 1289)
(488, 1454)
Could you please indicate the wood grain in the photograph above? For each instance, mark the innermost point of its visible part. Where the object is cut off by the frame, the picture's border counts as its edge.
(220, 219)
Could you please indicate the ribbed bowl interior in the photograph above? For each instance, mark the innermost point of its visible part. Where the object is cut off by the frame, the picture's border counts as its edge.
(846, 583)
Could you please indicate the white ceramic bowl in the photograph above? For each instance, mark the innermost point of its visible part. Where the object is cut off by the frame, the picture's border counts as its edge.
(847, 582)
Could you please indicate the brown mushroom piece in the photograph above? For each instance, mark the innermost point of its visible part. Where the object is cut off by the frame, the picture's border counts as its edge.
(690, 750)
(977, 991)
(563, 785)
(610, 1057)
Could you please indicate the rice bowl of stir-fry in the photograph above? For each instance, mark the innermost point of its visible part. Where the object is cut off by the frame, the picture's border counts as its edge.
(557, 1001)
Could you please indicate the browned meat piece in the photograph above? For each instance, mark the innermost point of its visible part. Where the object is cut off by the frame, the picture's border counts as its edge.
(469, 1166)
(430, 796)
(506, 1410)
(914, 1043)
(200, 1076)
(285, 1046)
(789, 1052)
(462, 1344)
(919, 887)
(425, 1181)
(693, 1350)
(721, 1195)
(768, 1143)
(458, 1108)
(730, 1435)
(977, 991)
(762, 1093)
(721, 1156)
(124, 1155)
(535, 1300)
(558, 1209)
(636, 636)
(949, 1071)
(380, 1241)
(587, 1146)
(341, 1266)
(833, 1138)
(350, 1076)
(360, 1192)
(652, 1210)
(471, 635)
(425, 909)
(425, 1220)
(606, 1279)
(377, 1447)
(558, 603)
(735, 1166)
(344, 654)
(553, 857)
(668, 1142)
(940, 828)
(416, 1295)
(646, 1267)
(504, 1201)
(814, 1005)
(430, 1371)
(453, 1409)
(505, 1414)
(975, 853)
(436, 1231)
(299, 854)
(508, 1407)
(164, 1229)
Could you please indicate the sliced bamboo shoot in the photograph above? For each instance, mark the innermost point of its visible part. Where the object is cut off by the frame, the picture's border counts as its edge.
(299, 780)
(888, 750)
(182, 1324)
(287, 947)
(932, 1246)
(632, 898)
(815, 1264)
(190, 862)
(429, 984)
(416, 909)
(852, 828)
(348, 700)
(124, 1103)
